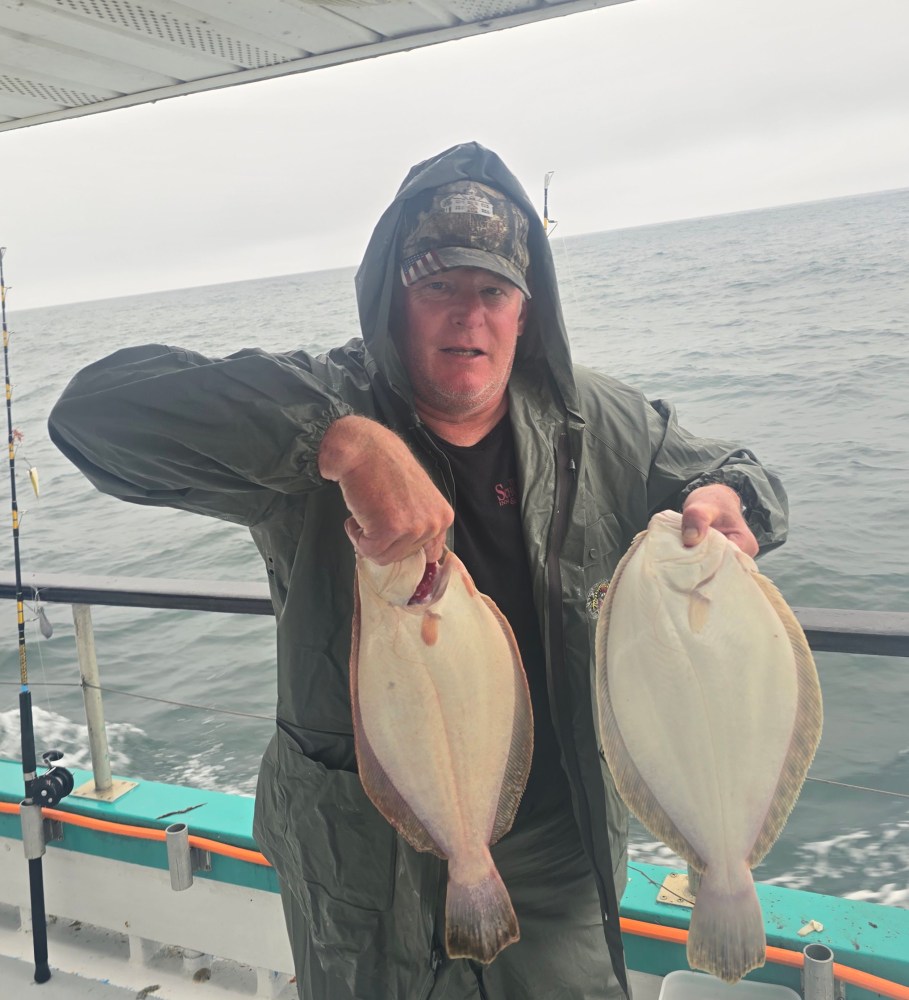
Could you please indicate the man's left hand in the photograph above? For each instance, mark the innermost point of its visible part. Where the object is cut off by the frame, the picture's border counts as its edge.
(716, 506)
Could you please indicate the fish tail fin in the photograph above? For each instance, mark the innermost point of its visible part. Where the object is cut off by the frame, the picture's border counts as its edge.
(726, 935)
(479, 918)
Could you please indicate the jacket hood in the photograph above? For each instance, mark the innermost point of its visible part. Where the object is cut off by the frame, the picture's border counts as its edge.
(543, 350)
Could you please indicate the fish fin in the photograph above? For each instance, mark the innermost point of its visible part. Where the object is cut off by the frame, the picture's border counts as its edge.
(726, 935)
(806, 729)
(388, 800)
(632, 788)
(479, 918)
(376, 783)
(636, 793)
(520, 754)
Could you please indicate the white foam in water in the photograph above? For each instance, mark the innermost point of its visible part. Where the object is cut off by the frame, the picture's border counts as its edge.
(652, 852)
(211, 769)
(888, 895)
(53, 731)
(881, 855)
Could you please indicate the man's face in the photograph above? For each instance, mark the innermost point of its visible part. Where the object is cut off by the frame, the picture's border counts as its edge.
(457, 335)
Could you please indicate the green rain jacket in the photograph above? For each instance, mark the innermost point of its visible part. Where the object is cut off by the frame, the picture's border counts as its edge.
(238, 438)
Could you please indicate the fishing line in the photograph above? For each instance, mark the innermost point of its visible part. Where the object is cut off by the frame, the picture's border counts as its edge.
(38, 625)
(658, 885)
(148, 697)
(180, 704)
(858, 788)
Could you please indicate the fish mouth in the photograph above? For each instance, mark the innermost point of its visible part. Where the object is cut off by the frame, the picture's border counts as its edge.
(431, 586)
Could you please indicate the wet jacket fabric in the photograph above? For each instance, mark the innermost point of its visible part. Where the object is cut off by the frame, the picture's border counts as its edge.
(238, 438)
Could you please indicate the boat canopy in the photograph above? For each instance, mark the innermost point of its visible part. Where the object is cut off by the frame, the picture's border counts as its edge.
(66, 58)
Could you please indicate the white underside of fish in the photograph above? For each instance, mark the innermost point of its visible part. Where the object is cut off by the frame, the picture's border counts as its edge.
(710, 714)
(444, 733)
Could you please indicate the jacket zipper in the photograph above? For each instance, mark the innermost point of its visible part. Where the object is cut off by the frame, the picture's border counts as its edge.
(566, 472)
(447, 487)
(437, 953)
(435, 963)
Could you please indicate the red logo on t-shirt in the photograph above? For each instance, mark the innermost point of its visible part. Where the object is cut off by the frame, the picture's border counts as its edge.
(507, 493)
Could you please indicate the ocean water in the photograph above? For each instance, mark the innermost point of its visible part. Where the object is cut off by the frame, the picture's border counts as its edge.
(783, 329)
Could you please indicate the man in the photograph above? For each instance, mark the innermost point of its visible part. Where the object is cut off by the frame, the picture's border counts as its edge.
(459, 419)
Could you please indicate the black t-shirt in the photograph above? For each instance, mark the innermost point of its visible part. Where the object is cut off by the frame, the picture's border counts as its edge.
(489, 540)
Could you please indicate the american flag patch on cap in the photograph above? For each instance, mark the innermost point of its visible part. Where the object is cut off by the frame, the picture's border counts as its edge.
(419, 266)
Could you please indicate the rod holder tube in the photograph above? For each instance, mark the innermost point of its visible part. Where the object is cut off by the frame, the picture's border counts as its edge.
(817, 974)
(32, 829)
(91, 696)
(179, 858)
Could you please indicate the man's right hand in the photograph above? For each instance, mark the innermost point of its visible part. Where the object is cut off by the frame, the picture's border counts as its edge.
(396, 509)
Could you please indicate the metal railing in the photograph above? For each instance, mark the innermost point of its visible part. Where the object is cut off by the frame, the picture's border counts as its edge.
(878, 633)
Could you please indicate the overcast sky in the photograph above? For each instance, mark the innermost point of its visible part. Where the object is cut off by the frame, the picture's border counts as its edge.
(647, 111)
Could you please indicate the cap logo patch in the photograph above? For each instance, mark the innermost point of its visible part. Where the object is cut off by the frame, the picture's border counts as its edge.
(469, 202)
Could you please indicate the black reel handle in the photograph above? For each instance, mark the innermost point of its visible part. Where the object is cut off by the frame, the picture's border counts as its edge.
(55, 784)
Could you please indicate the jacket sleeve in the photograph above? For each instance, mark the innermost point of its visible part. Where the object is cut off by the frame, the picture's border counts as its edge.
(168, 427)
(682, 462)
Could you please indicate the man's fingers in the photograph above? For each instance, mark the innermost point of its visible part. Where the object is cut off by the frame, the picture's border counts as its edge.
(387, 549)
(354, 532)
(745, 541)
(696, 519)
(434, 548)
(694, 526)
(395, 507)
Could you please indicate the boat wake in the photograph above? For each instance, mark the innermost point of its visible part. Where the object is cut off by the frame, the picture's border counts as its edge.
(210, 767)
(877, 859)
(54, 730)
(880, 855)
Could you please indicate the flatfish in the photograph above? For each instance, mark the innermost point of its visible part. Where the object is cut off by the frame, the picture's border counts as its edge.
(710, 714)
(443, 731)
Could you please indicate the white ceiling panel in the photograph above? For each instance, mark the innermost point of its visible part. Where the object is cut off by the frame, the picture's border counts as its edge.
(65, 58)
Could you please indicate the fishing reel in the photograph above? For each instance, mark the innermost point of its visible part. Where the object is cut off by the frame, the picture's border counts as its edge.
(56, 782)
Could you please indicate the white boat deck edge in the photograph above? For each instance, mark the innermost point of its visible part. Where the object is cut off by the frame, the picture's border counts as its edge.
(85, 965)
(88, 961)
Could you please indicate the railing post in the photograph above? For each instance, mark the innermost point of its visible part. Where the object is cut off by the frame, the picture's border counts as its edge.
(91, 695)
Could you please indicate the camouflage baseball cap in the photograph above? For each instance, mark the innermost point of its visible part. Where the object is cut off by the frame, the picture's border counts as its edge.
(464, 224)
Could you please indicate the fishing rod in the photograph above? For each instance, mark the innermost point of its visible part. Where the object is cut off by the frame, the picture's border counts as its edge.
(48, 788)
(546, 220)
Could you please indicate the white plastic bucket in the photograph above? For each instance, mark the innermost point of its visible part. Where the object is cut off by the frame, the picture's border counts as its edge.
(700, 986)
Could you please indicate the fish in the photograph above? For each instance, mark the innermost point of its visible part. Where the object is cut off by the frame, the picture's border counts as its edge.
(443, 731)
(710, 713)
